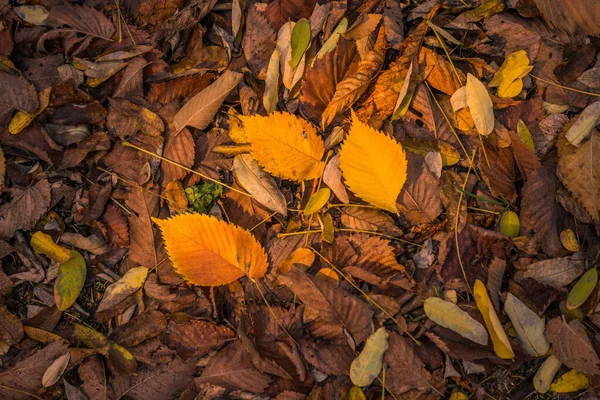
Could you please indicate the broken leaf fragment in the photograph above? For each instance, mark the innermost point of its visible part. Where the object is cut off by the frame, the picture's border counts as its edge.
(70, 280)
(450, 316)
(209, 252)
(502, 346)
(582, 289)
(480, 105)
(374, 165)
(367, 365)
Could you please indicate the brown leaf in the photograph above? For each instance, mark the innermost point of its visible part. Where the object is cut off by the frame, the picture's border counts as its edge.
(179, 147)
(17, 93)
(405, 369)
(323, 76)
(117, 230)
(25, 209)
(419, 200)
(332, 305)
(25, 378)
(329, 358)
(540, 213)
(579, 169)
(525, 157)
(439, 73)
(126, 118)
(132, 81)
(197, 337)
(370, 219)
(258, 42)
(179, 88)
(554, 272)
(95, 380)
(353, 86)
(571, 345)
(82, 19)
(145, 326)
(71, 157)
(232, 368)
(143, 235)
(500, 173)
(11, 327)
(281, 11)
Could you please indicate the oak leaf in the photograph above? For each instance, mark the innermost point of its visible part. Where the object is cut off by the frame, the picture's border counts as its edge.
(285, 145)
(374, 165)
(209, 252)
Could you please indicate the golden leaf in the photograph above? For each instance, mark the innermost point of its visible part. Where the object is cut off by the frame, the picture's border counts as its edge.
(480, 105)
(499, 339)
(44, 244)
(209, 252)
(374, 165)
(509, 77)
(21, 119)
(285, 145)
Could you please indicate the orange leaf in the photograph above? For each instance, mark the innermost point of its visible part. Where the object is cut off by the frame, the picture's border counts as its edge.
(210, 252)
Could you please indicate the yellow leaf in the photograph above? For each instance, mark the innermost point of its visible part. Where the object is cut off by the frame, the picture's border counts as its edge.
(367, 365)
(130, 283)
(450, 316)
(480, 105)
(509, 224)
(499, 339)
(317, 201)
(543, 377)
(509, 76)
(329, 275)
(21, 120)
(176, 196)
(569, 240)
(571, 381)
(43, 244)
(285, 145)
(302, 256)
(327, 228)
(582, 289)
(458, 396)
(374, 165)
(356, 393)
(528, 325)
(236, 128)
(209, 252)
(525, 135)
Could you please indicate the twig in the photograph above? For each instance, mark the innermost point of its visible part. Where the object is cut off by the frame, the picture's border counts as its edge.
(564, 87)
(462, 267)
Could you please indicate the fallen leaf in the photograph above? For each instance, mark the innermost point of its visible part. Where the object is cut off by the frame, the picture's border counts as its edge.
(70, 280)
(271, 95)
(25, 209)
(131, 282)
(11, 328)
(198, 337)
(439, 73)
(544, 376)
(569, 240)
(317, 201)
(44, 244)
(509, 77)
(374, 165)
(582, 289)
(200, 109)
(509, 224)
(367, 365)
(285, 145)
(196, 244)
(259, 184)
(480, 105)
(570, 381)
(35, 15)
(405, 369)
(423, 147)
(143, 327)
(56, 370)
(571, 345)
(82, 19)
(259, 41)
(118, 357)
(289, 75)
(369, 219)
(584, 125)
(22, 119)
(332, 177)
(450, 316)
(502, 346)
(299, 41)
(529, 326)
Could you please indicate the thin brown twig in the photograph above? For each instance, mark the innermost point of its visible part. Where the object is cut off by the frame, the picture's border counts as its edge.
(460, 198)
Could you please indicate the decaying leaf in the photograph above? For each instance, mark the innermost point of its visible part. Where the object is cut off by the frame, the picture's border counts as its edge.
(480, 105)
(55, 370)
(544, 376)
(570, 381)
(367, 365)
(582, 289)
(44, 244)
(571, 345)
(131, 282)
(374, 165)
(529, 326)
(70, 280)
(196, 244)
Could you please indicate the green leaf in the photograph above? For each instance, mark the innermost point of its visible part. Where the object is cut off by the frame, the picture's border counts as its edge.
(317, 201)
(509, 224)
(525, 135)
(582, 289)
(118, 356)
(367, 365)
(529, 326)
(450, 316)
(71, 277)
(299, 41)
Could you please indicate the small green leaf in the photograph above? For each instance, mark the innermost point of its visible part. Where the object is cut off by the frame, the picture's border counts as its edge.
(71, 277)
(317, 201)
(299, 41)
(367, 365)
(582, 289)
(509, 224)
(525, 135)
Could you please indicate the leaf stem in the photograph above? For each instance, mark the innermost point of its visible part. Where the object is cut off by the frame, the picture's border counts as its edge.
(564, 87)
(462, 267)
(208, 178)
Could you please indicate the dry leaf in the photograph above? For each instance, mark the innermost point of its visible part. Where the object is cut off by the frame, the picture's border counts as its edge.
(571, 345)
(544, 376)
(480, 105)
(44, 244)
(200, 110)
(367, 365)
(130, 283)
(509, 77)
(25, 209)
(70, 280)
(450, 316)
(56, 370)
(374, 165)
(209, 252)
(369, 219)
(285, 145)
(570, 381)
(332, 176)
(529, 326)
(499, 339)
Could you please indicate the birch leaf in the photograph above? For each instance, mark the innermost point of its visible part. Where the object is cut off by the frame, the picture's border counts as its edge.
(499, 339)
(374, 165)
(200, 110)
(529, 326)
(209, 252)
(480, 105)
(285, 145)
(258, 183)
(367, 365)
(450, 316)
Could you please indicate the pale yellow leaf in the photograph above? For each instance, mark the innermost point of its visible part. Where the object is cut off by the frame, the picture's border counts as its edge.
(571, 381)
(502, 346)
(209, 252)
(480, 105)
(44, 244)
(285, 145)
(290, 76)
(450, 316)
(200, 110)
(583, 127)
(367, 365)
(374, 165)
(130, 283)
(529, 326)
(271, 95)
(544, 376)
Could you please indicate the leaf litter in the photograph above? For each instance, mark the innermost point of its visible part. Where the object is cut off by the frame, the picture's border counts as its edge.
(299, 200)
